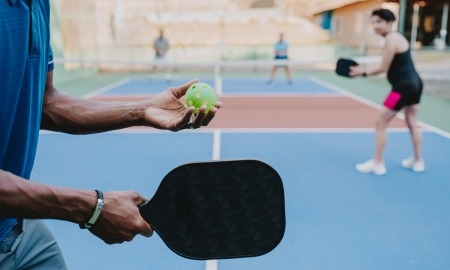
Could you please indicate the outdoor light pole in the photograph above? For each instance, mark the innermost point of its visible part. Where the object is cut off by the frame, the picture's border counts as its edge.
(414, 26)
(443, 31)
(401, 22)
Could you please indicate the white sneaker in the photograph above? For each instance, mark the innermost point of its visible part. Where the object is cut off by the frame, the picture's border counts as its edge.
(371, 167)
(414, 165)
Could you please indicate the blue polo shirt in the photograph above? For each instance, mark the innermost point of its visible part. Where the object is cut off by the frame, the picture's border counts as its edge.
(281, 48)
(25, 59)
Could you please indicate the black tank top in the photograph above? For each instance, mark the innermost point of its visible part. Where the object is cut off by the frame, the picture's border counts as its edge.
(402, 71)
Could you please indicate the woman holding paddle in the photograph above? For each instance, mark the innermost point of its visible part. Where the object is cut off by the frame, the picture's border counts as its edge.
(406, 92)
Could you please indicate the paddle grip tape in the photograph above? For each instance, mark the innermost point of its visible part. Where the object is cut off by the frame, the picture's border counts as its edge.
(97, 211)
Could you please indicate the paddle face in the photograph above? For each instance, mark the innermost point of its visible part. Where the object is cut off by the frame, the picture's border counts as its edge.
(343, 66)
(219, 209)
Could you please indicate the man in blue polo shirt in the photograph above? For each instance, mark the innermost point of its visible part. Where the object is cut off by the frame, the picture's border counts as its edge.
(28, 102)
(281, 53)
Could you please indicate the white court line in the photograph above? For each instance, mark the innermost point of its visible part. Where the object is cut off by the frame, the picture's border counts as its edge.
(249, 130)
(244, 95)
(106, 88)
(307, 130)
(281, 95)
(345, 93)
(216, 145)
(377, 106)
(137, 131)
(341, 91)
(247, 95)
(213, 264)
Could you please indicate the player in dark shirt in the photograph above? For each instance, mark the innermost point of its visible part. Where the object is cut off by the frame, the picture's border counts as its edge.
(406, 92)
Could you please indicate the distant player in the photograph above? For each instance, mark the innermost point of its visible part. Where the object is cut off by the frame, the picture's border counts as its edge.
(281, 53)
(161, 46)
(405, 94)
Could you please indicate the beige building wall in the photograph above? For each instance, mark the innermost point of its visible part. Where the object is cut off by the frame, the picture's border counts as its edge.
(351, 25)
(196, 29)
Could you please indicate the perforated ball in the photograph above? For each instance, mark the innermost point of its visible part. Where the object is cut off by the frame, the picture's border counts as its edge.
(200, 94)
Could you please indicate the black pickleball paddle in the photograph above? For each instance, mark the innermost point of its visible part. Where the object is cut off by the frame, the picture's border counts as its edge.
(219, 209)
(343, 66)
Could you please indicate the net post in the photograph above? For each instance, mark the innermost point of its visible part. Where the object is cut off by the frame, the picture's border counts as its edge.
(218, 79)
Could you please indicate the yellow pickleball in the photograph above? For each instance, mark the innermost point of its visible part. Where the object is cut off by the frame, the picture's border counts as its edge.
(200, 94)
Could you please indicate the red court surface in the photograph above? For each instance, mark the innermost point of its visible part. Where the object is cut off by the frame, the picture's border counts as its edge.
(288, 112)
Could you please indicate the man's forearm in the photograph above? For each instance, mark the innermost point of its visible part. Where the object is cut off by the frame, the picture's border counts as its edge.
(20, 198)
(74, 115)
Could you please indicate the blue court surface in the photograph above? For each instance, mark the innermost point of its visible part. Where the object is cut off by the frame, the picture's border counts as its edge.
(336, 218)
(230, 87)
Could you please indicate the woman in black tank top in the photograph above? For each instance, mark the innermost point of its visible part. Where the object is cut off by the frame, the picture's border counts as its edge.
(406, 92)
(403, 76)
